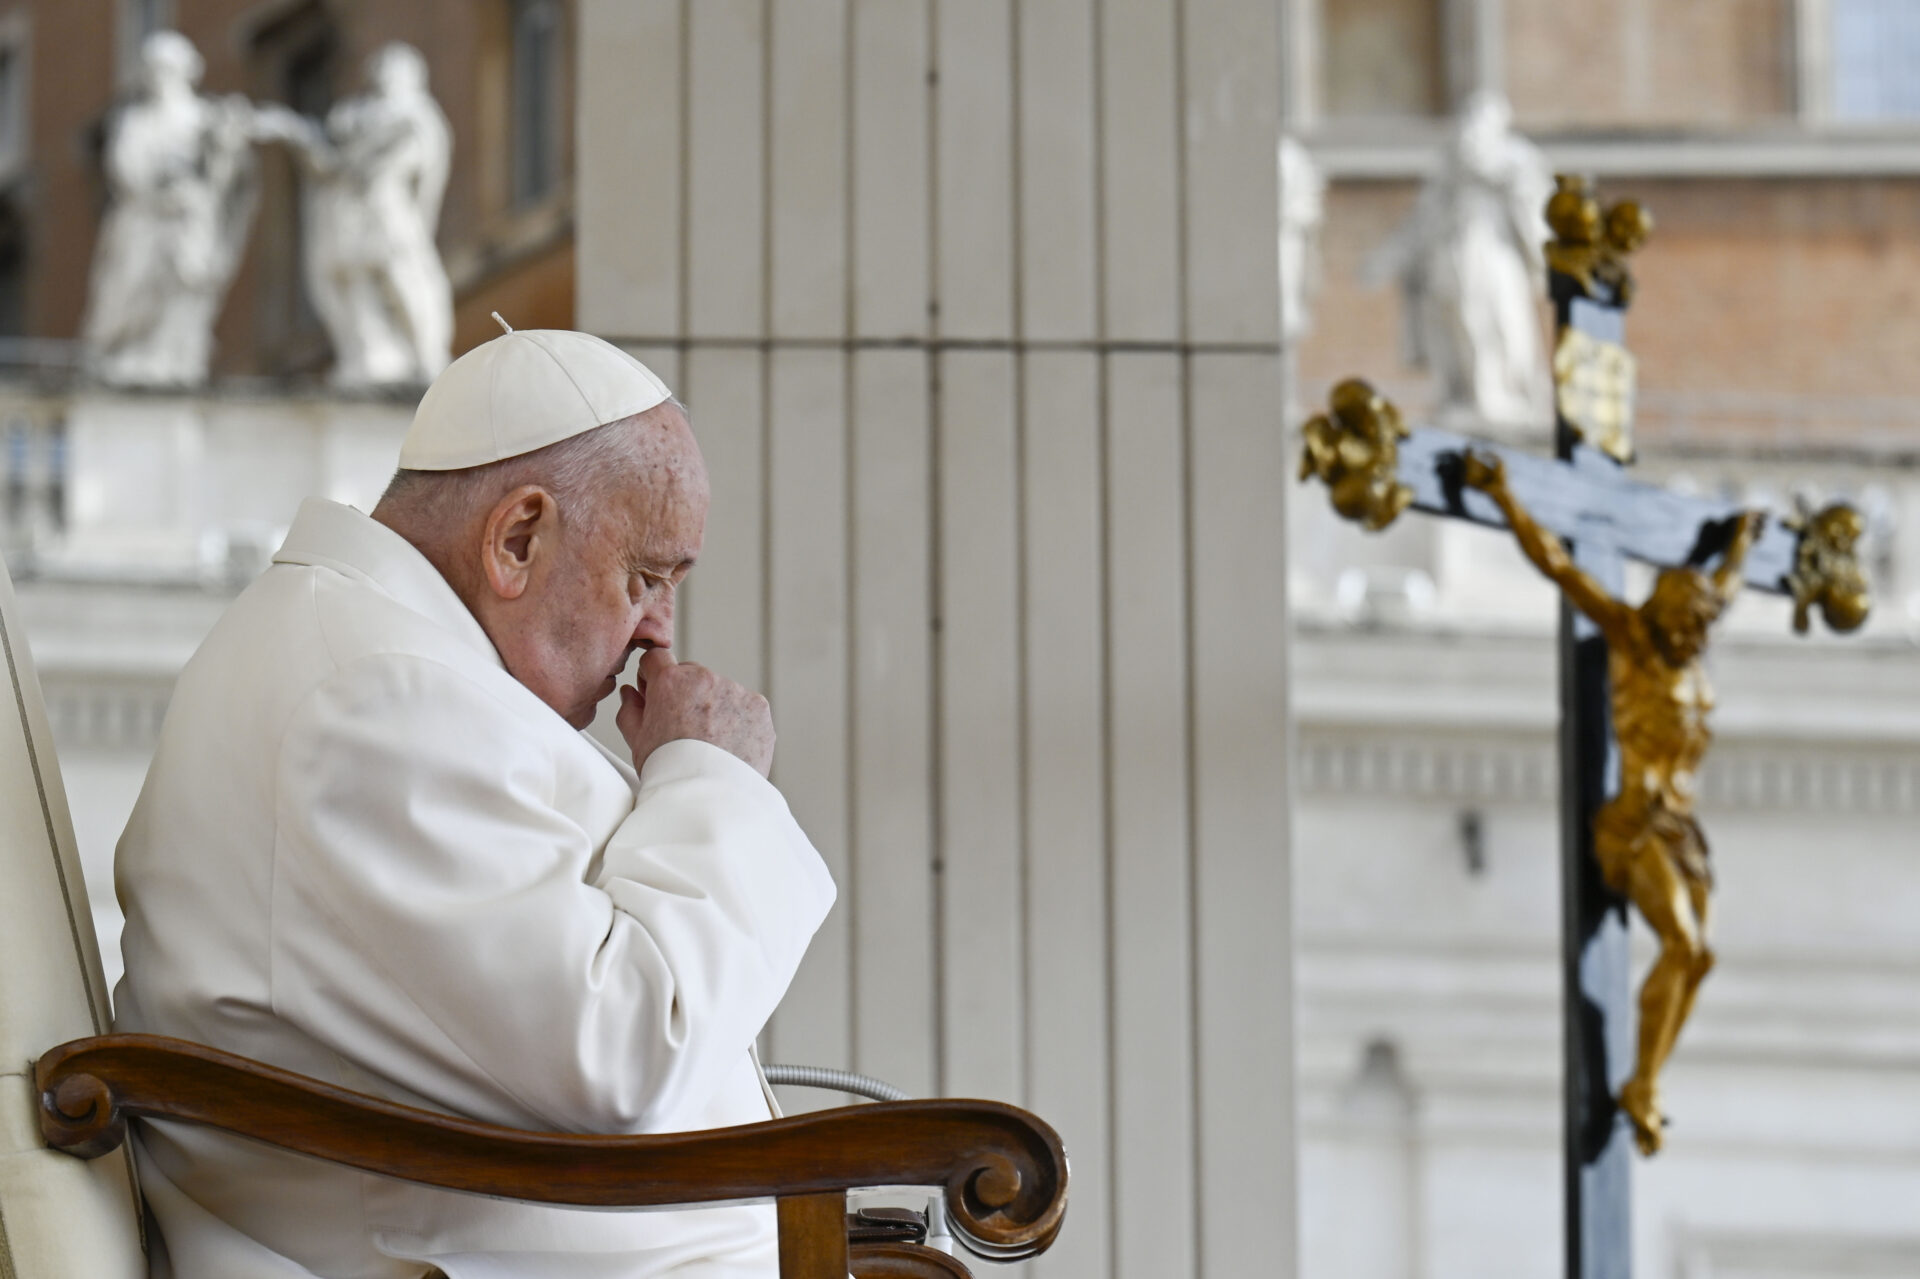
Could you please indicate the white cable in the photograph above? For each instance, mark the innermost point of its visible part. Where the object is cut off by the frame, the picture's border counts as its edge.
(834, 1081)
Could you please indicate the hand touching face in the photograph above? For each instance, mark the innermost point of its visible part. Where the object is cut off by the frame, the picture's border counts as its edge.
(675, 700)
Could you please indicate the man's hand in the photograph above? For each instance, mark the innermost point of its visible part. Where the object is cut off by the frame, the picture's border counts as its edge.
(684, 699)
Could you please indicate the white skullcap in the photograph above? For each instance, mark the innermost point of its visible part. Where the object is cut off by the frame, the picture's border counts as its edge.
(521, 392)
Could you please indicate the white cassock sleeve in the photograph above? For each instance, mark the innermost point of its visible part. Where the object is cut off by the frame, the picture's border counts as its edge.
(433, 923)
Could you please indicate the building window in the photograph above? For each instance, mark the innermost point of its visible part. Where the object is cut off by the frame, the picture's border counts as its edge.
(138, 19)
(535, 127)
(14, 158)
(306, 85)
(1384, 58)
(13, 269)
(295, 59)
(306, 78)
(13, 100)
(1875, 50)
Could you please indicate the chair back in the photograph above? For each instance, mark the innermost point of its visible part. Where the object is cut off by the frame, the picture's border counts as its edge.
(59, 1216)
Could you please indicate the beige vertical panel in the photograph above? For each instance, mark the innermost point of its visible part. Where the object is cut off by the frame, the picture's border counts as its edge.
(807, 676)
(723, 604)
(889, 895)
(726, 175)
(808, 135)
(1066, 797)
(1242, 893)
(1140, 165)
(1232, 131)
(980, 885)
(629, 223)
(1058, 232)
(890, 168)
(974, 179)
(1152, 1056)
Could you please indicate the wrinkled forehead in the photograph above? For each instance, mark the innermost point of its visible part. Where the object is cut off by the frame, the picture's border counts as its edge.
(670, 454)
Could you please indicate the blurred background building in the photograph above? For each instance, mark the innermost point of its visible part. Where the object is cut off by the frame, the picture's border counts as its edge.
(1777, 143)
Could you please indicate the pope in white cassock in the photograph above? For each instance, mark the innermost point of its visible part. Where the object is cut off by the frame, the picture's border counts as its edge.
(375, 847)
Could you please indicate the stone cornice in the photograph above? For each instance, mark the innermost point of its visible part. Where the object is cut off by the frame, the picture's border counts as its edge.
(1481, 769)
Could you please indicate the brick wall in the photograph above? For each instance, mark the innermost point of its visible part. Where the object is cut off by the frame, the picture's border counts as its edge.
(1784, 310)
(1609, 63)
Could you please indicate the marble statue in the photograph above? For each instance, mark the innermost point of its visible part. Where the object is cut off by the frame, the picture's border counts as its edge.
(373, 174)
(1468, 260)
(1302, 206)
(183, 184)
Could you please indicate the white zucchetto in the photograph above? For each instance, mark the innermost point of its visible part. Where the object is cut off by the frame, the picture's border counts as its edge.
(521, 392)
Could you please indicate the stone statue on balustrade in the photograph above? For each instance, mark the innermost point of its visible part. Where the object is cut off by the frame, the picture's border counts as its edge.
(183, 185)
(1468, 261)
(1302, 207)
(373, 175)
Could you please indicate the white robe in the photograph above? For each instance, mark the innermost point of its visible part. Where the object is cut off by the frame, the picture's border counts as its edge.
(365, 852)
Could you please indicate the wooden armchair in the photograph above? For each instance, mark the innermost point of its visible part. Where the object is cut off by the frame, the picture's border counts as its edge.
(67, 1089)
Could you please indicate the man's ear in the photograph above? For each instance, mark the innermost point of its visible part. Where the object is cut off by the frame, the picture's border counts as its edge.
(519, 530)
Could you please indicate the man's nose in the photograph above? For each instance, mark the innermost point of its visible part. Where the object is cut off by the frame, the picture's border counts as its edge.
(655, 627)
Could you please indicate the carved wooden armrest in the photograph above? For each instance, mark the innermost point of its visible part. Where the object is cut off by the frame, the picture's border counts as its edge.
(1004, 1170)
(904, 1261)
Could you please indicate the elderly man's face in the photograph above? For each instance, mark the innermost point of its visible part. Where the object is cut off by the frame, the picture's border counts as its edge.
(610, 590)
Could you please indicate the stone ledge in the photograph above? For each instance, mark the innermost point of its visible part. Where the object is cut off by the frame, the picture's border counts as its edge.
(1409, 154)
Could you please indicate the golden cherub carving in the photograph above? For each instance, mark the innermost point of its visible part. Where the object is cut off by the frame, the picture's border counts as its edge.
(1826, 572)
(1588, 246)
(1650, 848)
(1355, 449)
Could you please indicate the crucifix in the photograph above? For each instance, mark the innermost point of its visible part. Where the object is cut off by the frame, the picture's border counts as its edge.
(1633, 696)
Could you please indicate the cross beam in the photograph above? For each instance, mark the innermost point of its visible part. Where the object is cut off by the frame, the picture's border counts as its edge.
(1588, 500)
